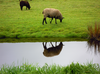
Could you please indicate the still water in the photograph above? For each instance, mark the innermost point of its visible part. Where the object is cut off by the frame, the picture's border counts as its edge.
(36, 52)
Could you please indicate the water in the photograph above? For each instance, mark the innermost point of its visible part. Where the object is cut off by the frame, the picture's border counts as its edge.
(32, 53)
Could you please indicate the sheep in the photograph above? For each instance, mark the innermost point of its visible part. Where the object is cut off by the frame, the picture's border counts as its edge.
(24, 3)
(52, 51)
(52, 13)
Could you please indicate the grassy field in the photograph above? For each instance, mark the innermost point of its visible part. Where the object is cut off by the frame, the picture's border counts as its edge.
(73, 68)
(78, 14)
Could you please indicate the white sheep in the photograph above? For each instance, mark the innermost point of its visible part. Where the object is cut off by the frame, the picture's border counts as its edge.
(52, 13)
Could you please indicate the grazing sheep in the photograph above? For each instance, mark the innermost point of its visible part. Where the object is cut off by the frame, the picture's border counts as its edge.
(52, 13)
(24, 3)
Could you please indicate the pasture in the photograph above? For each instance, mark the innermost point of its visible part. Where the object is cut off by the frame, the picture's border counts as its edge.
(78, 14)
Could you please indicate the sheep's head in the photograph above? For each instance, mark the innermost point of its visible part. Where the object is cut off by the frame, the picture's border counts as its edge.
(29, 7)
(61, 19)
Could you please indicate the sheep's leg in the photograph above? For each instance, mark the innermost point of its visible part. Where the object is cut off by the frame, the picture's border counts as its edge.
(55, 44)
(44, 45)
(21, 7)
(51, 20)
(55, 21)
(51, 44)
(44, 20)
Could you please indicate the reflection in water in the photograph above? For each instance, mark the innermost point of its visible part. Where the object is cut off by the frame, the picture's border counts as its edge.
(53, 50)
(31, 52)
(95, 44)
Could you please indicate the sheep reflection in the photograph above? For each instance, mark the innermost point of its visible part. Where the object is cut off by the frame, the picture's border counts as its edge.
(53, 50)
(95, 44)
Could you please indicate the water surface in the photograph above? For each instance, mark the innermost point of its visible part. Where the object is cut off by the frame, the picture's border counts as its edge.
(32, 52)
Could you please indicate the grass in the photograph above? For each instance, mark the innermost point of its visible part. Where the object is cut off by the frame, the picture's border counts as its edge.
(94, 33)
(73, 68)
(14, 40)
(78, 14)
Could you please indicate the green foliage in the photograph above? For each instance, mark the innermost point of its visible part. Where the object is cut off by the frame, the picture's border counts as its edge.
(28, 23)
(82, 69)
(73, 68)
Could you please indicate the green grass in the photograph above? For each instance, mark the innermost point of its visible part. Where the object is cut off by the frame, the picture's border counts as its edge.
(73, 68)
(14, 40)
(78, 14)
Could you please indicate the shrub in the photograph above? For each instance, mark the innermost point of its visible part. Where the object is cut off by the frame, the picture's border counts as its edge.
(94, 33)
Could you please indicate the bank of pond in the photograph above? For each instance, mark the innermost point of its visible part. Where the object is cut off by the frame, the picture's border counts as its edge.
(73, 68)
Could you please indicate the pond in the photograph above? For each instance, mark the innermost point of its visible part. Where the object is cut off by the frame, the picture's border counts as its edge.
(62, 53)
